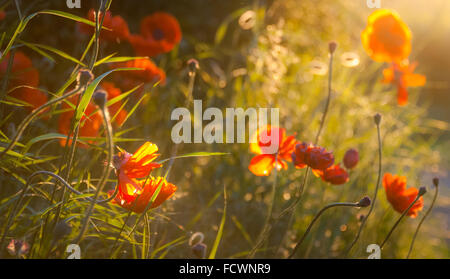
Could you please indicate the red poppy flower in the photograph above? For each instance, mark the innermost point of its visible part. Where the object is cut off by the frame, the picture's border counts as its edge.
(386, 38)
(117, 25)
(114, 109)
(160, 32)
(130, 198)
(262, 164)
(402, 76)
(399, 197)
(22, 78)
(150, 73)
(139, 164)
(313, 156)
(334, 175)
(351, 158)
(89, 125)
(2, 15)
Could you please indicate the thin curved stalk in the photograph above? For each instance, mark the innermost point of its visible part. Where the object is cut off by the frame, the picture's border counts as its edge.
(336, 204)
(380, 153)
(106, 172)
(267, 226)
(399, 219)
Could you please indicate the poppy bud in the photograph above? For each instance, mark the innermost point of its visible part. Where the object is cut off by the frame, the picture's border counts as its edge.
(199, 250)
(422, 191)
(436, 181)
(332, 46)
(193, 66)
(351, 158)
(364, 202)
(84, 77)
(377, 118)
(99, 98)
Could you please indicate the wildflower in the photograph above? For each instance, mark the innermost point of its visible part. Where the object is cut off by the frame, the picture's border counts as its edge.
(18, 247)
(263, 163)
(136, 200)
(23, 77)
(334, 175)
(117, 25)
(399, 197)
(402, 76)
(386, 38)
(351, 158)
(114, 109)
(150, 73)
(313, 156)
(139, 164)
(160, 32)
(90, 122)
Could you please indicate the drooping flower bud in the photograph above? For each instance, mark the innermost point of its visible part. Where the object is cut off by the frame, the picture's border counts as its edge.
(377, 118)
(199, 250)
(364, 202)
(332, 47)
(422, 191)
(100, 97)
(436, 181)
(351, 158)
(84, 77)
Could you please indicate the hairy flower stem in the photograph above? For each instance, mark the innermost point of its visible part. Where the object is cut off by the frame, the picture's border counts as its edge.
(267, 226)
(380, 153)
(106, 171)
(191, 83)
(436, 191)
(336, 204)
(400, 218)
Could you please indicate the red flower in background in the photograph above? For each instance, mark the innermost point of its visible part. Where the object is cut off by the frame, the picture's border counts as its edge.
(23, 74)
(150, 73)
(114, 109)
(313, 156)
(351, 158)
(2, 15)
(119, 27)
(402, 76)
(135, 200)
(89, 125)
(334, 175)
(160, 32)
(399, 197)
(266, 160)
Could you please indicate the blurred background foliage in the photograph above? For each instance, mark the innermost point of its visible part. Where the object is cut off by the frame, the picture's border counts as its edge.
(268, 65)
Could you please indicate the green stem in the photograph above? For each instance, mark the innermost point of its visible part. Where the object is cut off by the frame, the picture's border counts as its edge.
(423, 219)
(336, 204)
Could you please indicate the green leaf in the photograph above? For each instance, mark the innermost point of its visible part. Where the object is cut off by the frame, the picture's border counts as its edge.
(86, 98)
(212, 255)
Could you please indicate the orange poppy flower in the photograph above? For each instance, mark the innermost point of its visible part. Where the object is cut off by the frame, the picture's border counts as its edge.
(263, 163)
(150, 73)
(386, 38)
(399, 197)
(402, 76)
(21, 78)
(313, 156)
(139, 164)
(89, 125)
(334, 175)
(114, 109)
(160, 32)
(119, 27)
(130, 198)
